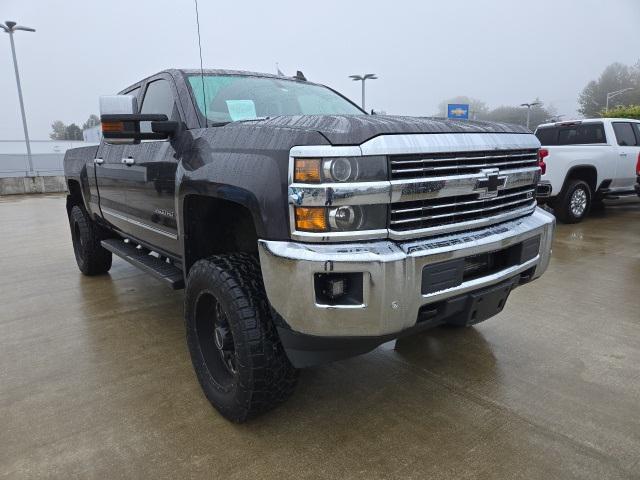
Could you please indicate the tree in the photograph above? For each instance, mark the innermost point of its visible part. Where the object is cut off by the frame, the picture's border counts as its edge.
(59, 131)
(616, 76)
(92, 121)
(518, 115)
(628, 111)
(477, 108)
(73, 132)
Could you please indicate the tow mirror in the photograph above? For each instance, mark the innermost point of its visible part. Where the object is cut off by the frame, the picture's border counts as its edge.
(121, 121)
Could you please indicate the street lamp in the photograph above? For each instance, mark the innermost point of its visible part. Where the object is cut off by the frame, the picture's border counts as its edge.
(11, 27)
(610, 95)
(363, 78)
(529, 105)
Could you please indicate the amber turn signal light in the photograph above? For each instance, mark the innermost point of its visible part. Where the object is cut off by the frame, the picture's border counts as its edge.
(311, 219)
(307, 170)
(112, 127)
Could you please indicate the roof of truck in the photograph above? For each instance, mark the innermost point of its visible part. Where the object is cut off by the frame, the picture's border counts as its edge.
(585, 120)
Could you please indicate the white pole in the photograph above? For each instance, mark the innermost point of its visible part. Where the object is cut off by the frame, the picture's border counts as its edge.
(24, 117)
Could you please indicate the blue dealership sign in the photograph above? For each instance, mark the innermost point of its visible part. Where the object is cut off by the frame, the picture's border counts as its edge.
(458, 111)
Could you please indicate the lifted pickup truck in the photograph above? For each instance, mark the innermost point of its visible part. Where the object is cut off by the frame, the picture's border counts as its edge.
(586, 161)
(303, 229)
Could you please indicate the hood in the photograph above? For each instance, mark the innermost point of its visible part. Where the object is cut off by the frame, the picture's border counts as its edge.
(357, 129)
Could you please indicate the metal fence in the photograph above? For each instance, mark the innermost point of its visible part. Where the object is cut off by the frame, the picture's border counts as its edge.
(44, 164)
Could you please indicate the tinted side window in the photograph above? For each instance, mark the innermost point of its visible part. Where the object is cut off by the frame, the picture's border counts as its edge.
(158, 98)
(636, 128)
(547, 136)
(624, 133)
(582, 134)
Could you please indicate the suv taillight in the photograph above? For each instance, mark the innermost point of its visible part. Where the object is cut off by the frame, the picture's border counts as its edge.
(542, 153)
(638, 166)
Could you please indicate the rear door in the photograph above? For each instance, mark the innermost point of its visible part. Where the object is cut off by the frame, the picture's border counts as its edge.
(628, 149)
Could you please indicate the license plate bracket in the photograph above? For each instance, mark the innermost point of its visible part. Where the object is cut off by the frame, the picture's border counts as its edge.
(484, 304)
(487, 303)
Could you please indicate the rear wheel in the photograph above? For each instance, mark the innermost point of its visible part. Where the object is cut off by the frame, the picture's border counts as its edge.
(234, 346)
(91, 257)
(574, 202)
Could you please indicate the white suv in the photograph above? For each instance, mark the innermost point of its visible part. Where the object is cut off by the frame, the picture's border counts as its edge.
(584, 161)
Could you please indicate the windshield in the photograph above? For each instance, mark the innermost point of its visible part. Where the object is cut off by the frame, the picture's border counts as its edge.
(236, 97)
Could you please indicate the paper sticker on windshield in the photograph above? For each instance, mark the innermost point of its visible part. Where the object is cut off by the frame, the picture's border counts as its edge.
(241, 109)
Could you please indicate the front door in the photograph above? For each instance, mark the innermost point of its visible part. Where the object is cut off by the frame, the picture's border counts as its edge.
(140, 179)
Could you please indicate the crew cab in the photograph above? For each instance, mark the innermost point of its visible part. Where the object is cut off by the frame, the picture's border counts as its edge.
(303, 229)
(585, 161)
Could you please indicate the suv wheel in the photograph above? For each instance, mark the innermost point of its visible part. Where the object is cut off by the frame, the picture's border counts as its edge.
(574, 202)
(235, 350)
(91, 257)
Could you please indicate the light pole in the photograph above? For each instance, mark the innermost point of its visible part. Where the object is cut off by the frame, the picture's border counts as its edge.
(529, 105)
(610, 95)
(11, 27)
(363, 78)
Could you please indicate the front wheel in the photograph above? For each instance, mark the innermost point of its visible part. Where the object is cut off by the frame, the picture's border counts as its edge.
(574, 202)
(235, 349)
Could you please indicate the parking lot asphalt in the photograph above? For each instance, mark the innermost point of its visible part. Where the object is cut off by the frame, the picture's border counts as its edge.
(96, 381)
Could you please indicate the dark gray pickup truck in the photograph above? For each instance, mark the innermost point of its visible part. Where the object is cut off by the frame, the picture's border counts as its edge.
(303, 229)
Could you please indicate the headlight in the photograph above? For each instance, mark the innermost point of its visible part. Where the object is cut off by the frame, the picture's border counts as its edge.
(342, 218)
(340, 169)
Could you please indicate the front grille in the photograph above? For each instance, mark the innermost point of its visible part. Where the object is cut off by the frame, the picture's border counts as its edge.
(438, 212)
(457, 163)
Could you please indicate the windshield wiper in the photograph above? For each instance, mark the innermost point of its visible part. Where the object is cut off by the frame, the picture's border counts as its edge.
(222, 124)
(252, 119)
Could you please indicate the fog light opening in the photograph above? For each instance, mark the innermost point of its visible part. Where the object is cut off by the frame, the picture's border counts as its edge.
(339, 288)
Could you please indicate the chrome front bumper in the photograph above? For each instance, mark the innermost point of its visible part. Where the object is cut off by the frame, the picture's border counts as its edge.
(393, 275)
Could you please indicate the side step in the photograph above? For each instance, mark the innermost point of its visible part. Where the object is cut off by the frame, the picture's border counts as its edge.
(615, 195)
(163, 271)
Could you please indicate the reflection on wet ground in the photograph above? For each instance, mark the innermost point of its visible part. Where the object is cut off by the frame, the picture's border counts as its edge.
(96, 380)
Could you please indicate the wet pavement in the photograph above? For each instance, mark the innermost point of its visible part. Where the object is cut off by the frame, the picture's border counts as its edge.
(96, 381)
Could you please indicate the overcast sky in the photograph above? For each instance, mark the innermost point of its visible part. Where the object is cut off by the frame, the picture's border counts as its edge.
(503, 52)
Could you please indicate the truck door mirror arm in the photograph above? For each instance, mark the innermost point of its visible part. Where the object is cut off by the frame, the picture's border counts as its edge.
(124, 128)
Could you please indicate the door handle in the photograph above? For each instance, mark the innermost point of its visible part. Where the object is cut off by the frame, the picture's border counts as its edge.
(128, 161)
(623, 154)
(98, 161)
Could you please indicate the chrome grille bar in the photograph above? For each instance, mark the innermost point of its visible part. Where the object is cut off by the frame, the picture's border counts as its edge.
(456, 159)
(429, 165)
(456, 204)
(522, 202)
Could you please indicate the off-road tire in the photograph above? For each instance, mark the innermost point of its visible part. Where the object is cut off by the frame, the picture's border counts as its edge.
(563, 208)
(263, 376)
(91, 257)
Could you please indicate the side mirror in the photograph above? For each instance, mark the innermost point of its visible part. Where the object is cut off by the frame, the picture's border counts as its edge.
(121, 121)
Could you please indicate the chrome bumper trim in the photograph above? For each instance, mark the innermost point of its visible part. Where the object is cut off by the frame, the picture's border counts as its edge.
(394, 274)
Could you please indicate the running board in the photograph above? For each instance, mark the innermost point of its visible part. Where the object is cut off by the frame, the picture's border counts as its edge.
(609, 195)
(170, 274)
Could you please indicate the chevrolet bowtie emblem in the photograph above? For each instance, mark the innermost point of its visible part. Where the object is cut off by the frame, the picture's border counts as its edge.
(458, 112)
(488, 186)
